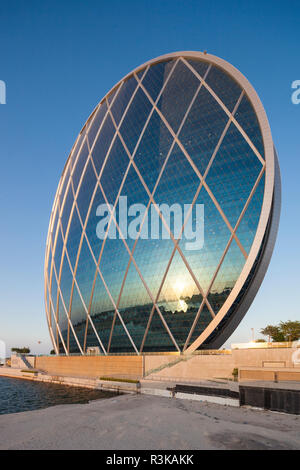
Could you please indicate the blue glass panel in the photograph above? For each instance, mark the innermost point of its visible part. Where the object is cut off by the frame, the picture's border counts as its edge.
(97, 123)
(247, 228)
(78, 313)
(53, 326)
(246, 117)
(65, 335)
(91, 338)
(62, 317)
(119, 340)
(156, 77)
(151, 257)
(158, 338)
(102, 312)
(54, 330)
(93, 220)
(79, 331)
(179, 300)
(85, 272)
(101, 301)
(199, 66)
(235, 305)
(233, 174)
(86, 191)
(114, 171)
(58, 250)
(102, 143)
(225, 87)
(228, 274)
(135, 119)
(74, 238)
(68, 204)
(177, 185)
(123, 99)
(202, 322)
(133, 192)
(135, 306)
(178, 95)
(135, 318)
(79, 165)
(153, 150)
(204, 240)
(66, 281)
(53, 303)
(113, 263)
(54, 307)
(203, 128)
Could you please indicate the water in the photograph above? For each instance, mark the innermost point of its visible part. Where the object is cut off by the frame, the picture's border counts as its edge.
(23, 395)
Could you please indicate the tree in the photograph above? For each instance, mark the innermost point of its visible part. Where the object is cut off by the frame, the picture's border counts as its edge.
(52, 352)
(285, 331)
(273, 332)
(290, 330)
(23, 350)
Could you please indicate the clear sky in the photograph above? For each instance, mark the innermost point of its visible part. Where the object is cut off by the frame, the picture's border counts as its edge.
(59, 58)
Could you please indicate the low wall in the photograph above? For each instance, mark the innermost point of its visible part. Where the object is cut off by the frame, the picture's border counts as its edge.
(277, 357)
(17, 361)
(272, 374)
(191, 368)
(253, 364)
(92, 366)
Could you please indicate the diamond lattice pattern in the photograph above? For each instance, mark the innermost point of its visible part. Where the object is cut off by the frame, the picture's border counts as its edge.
(169, 134)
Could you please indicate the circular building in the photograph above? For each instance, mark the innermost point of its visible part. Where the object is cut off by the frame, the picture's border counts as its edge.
(166, 213)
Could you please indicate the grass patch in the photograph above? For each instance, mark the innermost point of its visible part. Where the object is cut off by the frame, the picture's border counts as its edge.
(114, 379)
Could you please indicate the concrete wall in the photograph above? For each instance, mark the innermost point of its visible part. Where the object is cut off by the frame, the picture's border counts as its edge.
(253, 364)
(157, 361)
(274, 374)
(190, 368)
(17, 362)
(277, 357)
(92, 366)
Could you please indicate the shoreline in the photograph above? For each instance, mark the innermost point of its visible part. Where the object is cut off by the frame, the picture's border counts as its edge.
(283, 397)
(144, 387)
(91, 383)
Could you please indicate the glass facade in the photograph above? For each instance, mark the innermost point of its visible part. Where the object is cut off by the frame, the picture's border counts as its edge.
(160, 137)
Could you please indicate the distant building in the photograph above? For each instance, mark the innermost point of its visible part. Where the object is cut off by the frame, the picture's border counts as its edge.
(185, 128)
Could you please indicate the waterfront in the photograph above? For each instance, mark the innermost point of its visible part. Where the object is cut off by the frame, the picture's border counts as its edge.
(146, 422)
(17, 395)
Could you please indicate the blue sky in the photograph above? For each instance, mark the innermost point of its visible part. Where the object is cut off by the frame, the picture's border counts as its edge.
(59, 58)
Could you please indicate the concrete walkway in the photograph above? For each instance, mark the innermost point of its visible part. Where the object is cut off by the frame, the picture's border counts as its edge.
(149, 422)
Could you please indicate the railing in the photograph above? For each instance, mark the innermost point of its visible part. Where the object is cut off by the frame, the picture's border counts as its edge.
(213, 352)
(202, 352)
